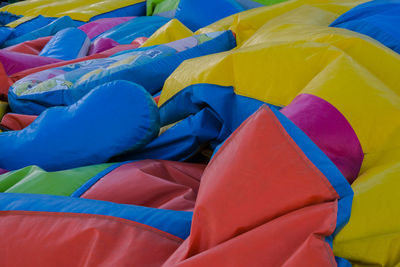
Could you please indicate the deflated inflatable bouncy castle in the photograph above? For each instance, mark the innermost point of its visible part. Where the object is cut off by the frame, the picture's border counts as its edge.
(200, 133)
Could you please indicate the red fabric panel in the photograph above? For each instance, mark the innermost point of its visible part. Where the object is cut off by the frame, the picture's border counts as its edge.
(66, 239)
(273, 243)
(5, 83)
(261, 203)
(151, 183)
(17, 122)
(156, 99)
(30, 47)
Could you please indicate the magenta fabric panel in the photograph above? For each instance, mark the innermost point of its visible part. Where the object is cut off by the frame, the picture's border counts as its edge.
(101, 45)
(2, 171)
(330, 130)
(14, 62)
(94, 28)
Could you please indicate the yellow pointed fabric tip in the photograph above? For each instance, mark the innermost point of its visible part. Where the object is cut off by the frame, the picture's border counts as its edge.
(172, 31)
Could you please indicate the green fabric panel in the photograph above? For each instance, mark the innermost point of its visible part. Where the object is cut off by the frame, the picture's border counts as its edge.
(159, 6)
(34, 180)
(269, 2)
(166, 5)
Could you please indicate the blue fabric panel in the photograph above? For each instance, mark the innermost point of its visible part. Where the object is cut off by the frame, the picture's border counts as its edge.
(138, 9)
(5, 33)
(234, 109)
(177, 223)
(31, 25)
(113, 118)
(325, 165)
(126, 32)
(181, 141)
(209, 114)
(7, 17)
(248, 4)
(48, 30)
(377, 19)
(342, 262)
(67, 44)
(197, 14)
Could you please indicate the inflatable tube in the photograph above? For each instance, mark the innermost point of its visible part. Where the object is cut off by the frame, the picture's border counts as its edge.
(74, 136)
(149, 67)
(67, 44)
(48, 30)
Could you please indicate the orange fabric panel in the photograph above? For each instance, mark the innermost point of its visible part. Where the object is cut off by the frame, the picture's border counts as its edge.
(67, 239)
(30, 47)
(151, 183)
(258, 178)
(17, 122)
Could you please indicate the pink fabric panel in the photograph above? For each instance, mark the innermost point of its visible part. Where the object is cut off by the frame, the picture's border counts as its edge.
(94, 28)
(101, 45)
(329, 130)
(14, 62)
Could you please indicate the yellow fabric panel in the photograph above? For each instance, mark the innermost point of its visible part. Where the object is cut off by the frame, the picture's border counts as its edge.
(375, 87)
(3, 108)
(283, 60)
(17, 22)
(244, 24)
(172, 31)
(372, 236)
(76, 9)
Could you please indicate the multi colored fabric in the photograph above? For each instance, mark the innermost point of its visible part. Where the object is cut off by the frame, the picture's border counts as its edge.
(66, 85)
(267, 160)
(207, 133)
